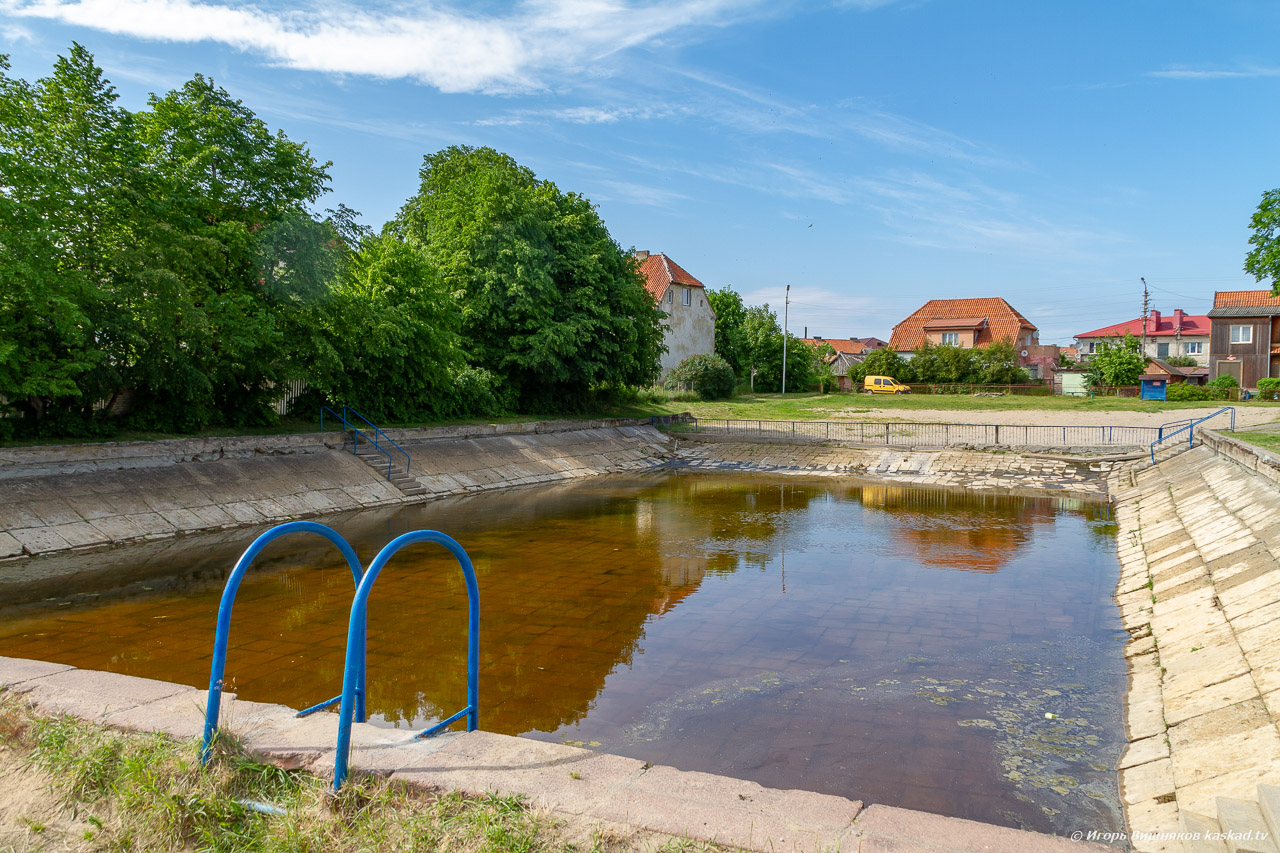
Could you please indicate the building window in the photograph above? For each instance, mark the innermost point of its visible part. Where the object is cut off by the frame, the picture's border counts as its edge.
(952, 338)
(686, 296)
(1194, 347)
(1242, 334)
(671, 297)
(1090, 349)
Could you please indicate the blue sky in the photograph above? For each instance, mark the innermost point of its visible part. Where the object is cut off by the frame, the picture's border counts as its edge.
(872, 154)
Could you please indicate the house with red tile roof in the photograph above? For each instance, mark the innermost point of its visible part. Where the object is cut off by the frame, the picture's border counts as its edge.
(966, 323)
(848, 351)
(691, 321)
(1244, 336)
(1176, 334)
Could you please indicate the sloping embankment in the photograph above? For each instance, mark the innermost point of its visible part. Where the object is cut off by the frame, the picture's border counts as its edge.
(1200, 594)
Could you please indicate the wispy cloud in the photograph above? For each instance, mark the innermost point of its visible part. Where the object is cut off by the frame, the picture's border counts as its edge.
(646, 194)
(446, 46)
(13, 33)
(577, 115)
(1188, 73)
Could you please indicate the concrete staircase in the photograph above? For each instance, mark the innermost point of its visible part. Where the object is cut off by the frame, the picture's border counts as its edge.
(399, 478)
(1242, 826)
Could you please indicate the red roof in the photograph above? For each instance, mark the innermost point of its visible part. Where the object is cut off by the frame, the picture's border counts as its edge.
(1003, 322)
(1164, 325)
(838, 344)
(1245, 298)
(660, 272)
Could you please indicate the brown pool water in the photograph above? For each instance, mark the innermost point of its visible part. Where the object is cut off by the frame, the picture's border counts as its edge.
(898, 645)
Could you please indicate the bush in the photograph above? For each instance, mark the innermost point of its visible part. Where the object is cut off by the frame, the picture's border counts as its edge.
(1183, 392)
(1269, 384)
(1223, 381)
(709, 374)
(1180, 361)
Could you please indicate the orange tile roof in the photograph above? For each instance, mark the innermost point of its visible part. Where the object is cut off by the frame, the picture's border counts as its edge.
(660, 272)
(955, 323)
(1003, 322)
(1244, 298)
(838, 344)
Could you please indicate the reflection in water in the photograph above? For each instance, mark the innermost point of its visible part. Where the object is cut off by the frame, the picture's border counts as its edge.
(896, 644)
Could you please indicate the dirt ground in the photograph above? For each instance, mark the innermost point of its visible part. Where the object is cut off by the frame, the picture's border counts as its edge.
(1245, 416)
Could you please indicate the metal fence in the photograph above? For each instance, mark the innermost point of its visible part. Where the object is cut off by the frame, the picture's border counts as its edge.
(896, 433)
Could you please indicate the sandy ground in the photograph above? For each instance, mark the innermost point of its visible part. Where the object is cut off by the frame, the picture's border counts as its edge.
(1245, 416)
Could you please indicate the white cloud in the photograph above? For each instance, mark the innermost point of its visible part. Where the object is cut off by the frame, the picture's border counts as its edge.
(1182, 73)
(12, 33)
(441, 45)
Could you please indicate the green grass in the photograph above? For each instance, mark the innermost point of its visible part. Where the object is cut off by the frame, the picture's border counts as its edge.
(1265, 440)
(806, 406)
(106, 790)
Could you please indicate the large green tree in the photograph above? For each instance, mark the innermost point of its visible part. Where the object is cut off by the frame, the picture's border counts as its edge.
(730, 314)
(1116, 362)
(1263, 260)
(549, 303)
(762, 352)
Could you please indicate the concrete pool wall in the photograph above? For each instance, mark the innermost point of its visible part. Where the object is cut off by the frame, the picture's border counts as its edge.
(1199, 593)
(73, 497)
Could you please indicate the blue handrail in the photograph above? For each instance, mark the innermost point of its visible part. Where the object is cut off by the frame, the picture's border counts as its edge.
(356, 432)
(353, 694)
(378, 431)
(1190, 429)
(222, 633)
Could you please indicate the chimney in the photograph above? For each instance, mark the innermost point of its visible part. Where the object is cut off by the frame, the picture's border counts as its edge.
(1177, 320)
(641, 255)
(1153, 322)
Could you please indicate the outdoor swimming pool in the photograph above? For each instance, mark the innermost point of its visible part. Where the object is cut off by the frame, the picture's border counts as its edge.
(953, 652)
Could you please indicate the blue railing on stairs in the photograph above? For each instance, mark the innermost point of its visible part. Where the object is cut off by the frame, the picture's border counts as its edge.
(356, 434)
(1169, 430)
(354, 690)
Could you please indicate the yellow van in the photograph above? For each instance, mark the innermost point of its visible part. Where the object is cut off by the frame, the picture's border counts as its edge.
(884, 385)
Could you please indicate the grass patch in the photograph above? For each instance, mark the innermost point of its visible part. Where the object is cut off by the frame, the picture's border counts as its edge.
(72, 785)
(1265, 440)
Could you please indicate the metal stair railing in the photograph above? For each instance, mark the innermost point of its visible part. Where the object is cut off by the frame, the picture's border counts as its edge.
(356, 434)
(1189, 427)
(223, 630)
(378, 432)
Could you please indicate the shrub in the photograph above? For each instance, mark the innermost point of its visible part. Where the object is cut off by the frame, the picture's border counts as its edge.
(1269, 384)
(1184, 392)
(1180, 361)
(1223, 381)
(709, 374)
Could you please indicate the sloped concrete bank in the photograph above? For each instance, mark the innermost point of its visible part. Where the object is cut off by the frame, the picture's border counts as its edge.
(1060, 475)
(67, 498)
(57, 499)
(1199, 592)
(606, 789)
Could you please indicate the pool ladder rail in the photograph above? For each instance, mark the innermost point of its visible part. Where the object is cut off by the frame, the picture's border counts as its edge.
(354, 693)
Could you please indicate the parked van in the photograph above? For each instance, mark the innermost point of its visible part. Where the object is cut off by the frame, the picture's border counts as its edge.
(884, 385)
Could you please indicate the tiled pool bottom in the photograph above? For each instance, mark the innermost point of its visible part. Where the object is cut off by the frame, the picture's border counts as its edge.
(951, 652)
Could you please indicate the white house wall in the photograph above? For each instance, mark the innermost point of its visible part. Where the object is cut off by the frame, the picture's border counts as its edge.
(691, 328)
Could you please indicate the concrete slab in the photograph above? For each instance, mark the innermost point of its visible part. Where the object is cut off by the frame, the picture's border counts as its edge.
(14, 671)
(883, 827)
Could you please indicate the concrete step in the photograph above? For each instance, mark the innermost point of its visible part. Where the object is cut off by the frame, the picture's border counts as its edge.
(1269, 802)
(1246, 829)
(1201, 834)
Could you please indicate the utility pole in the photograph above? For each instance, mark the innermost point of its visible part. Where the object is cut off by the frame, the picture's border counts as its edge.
(786, 305)
(1146, 307)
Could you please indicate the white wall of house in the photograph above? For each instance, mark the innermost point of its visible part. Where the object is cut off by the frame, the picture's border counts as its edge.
(691, 327)
(1195, 346)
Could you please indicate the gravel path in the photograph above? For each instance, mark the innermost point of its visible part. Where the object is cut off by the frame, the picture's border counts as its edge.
(1245, 416)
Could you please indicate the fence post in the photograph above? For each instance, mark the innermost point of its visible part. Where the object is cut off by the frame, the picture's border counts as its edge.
(997, 433)
(886, 433)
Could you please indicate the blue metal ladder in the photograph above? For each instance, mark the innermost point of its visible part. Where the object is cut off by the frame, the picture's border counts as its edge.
(357, 434)
(354, 693)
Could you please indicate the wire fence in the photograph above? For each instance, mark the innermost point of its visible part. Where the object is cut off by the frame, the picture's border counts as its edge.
(904, 434)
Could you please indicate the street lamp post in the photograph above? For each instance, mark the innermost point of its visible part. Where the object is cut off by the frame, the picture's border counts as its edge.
(786, 305)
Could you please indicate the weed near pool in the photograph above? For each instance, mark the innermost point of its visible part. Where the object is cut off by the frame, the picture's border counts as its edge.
(71, 785)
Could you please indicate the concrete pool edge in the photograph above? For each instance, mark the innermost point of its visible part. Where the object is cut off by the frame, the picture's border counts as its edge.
(595, 786)
(1199, 593)
(175, 493)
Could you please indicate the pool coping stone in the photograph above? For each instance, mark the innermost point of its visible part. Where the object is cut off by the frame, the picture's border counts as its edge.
(597, 786)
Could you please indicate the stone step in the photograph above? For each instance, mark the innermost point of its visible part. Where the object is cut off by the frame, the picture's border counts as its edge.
(1245, 827)
(1269, 802)
(1201, 833)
